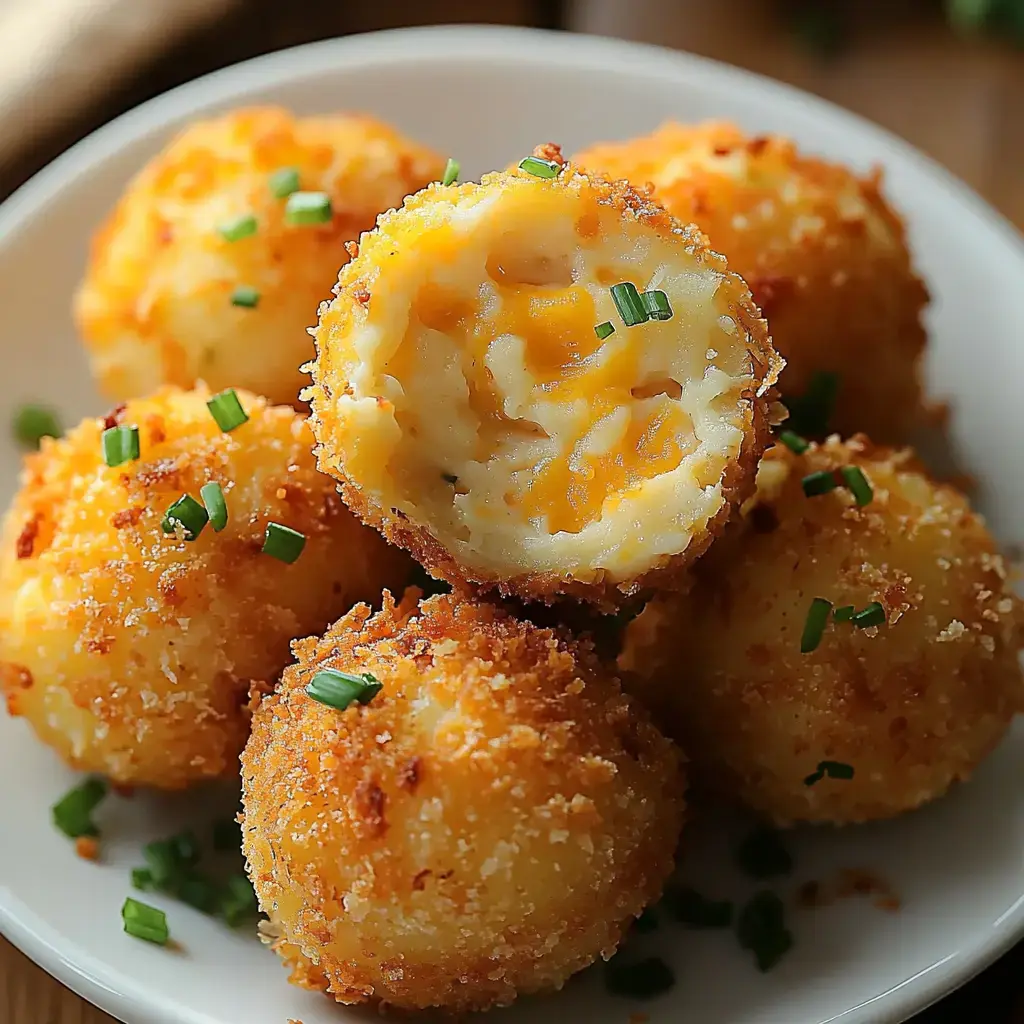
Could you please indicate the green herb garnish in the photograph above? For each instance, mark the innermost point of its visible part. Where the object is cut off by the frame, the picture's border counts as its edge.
(339, 689)
(762, 854)
(283, 543)
(34, 422)
(872, 615)
(120, 445)
(187, 513)
(245, 296)
(638, 979)
(451, 172)
(814, 626)
(605, 330)
(857, 483)
(226, 409)
(145, 922)
(833, 769)
(629, 304)
(815, 484)
(689, 907)
(656, 305)
(305, 208)
(216, 507)
(284, 182)
(72, 814)
(540, 168)
(794, 442)
(761, 928)
(239, 227)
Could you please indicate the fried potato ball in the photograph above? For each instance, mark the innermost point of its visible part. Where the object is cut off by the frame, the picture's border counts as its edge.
(912, 704)
(484, 404)
(823, 252)
(199, 274)
(491, 822)
(131, 651)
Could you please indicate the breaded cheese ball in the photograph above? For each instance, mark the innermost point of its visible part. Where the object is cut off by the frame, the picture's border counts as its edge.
(823, 252)
(131, 651)
(911, 704)
(200, 274)
(489, 823)
(482, 400)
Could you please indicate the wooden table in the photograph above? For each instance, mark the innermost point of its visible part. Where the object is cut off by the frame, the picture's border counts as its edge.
(958, 100)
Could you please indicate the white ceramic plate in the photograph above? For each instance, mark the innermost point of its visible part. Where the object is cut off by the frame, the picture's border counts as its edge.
(487, 96)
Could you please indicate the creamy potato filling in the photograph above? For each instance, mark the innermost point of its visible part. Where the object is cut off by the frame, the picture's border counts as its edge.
(487, 408)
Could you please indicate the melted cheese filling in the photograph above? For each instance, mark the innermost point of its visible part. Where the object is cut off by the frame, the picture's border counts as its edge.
(487, 408)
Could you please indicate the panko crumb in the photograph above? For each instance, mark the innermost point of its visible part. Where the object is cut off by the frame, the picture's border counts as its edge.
(913, 705)
(474, 380)
(131, 651)
(823, 251)
(502, 839)
(156, 305)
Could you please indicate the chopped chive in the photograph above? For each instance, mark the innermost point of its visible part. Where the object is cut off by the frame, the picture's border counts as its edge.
(689, 907)
(283, 543)
(858, 485)
(763, 855)
(142, 879)
(245, 296)
(34, 422)
(226, 409)
(72, 814)
(188, 513)
(198, 892)
(872, 615)
(162, 861)
(794, 442)
(237, 900)
(646, 923)
(451, 172)
(809, 413)
(629, 304)
(540, 168)
(239, 227)
(227, 835)
(656, 305)
(761, 928)
(638, 979)
(284, 182)
(814, 626)
(822, 482)
(145, 922)
(216, 507)
(120, 445)
(339, 689)
(843, 614)
(605, 330)
(833, 769)
(305, 208)
(186, 848)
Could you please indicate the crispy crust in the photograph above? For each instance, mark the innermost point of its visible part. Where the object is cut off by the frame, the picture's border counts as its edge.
(131, 651)
(914, 706)
(355, 286)
(155, 304)
(489, 824)
(824, 253)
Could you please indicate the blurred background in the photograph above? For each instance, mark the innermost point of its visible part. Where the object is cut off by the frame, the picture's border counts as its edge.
(948, 75)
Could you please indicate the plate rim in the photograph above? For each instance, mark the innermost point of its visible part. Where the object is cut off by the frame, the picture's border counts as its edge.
(126, 997)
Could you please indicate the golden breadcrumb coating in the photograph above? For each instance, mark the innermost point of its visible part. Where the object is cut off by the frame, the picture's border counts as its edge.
(913, 705)
(490, 823)
(473, 413)
(131, 651)
(823, 252)
(156, 303)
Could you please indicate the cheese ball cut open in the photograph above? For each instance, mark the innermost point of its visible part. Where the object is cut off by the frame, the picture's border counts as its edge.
(204, 272)
(881, 637)
(130, 650)
(825, 256)
(490, 822)
(483, 402)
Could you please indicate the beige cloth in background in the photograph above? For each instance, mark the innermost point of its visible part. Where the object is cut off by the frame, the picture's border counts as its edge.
(56, 56)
